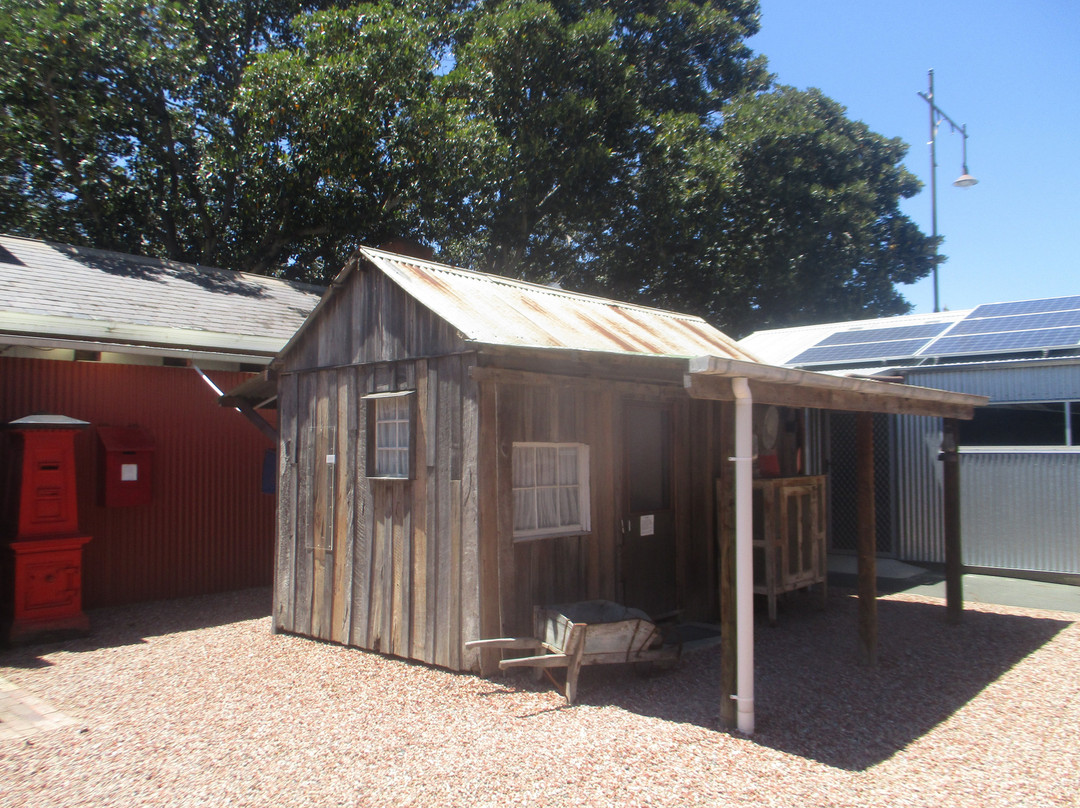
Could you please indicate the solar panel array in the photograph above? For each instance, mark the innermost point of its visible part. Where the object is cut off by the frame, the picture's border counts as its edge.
(993, 328)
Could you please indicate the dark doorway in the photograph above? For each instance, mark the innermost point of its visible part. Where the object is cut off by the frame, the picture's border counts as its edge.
(648, 520)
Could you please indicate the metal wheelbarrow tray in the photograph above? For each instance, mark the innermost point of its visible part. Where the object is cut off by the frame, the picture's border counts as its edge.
(592, 632)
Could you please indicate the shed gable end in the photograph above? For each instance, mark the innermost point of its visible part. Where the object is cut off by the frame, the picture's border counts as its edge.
(369, 319)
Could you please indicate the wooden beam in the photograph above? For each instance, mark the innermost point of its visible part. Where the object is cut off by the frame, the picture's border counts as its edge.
(890, 399)
(590, 383)
(252, 415)
(954, 568)
(867, 538)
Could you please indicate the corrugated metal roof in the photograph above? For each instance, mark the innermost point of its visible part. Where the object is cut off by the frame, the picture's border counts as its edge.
(493, 310)
(82, 294)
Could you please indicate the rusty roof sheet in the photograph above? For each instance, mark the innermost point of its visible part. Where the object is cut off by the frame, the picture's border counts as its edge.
(493, 310)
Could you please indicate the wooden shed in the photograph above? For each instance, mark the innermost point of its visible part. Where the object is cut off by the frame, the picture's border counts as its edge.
(458, 447)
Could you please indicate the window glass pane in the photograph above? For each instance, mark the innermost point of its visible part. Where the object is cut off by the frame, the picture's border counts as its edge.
(568, 505)
(383, 433)
(547, 489)
(1039, 424)
(524, 466)
(547, 507)
(524, 509)
(568, 465)
(546, 465)
(402, 435)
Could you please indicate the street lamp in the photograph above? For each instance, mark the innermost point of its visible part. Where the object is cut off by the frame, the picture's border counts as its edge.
(965, 180)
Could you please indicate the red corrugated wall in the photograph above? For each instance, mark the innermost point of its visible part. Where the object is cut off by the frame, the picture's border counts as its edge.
(209, 527)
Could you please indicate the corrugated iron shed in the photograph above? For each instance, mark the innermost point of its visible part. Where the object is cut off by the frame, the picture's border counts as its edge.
(493, 310)
(57, 292)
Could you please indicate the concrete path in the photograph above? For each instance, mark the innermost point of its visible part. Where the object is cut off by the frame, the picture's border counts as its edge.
(897, 576)
(23, 715)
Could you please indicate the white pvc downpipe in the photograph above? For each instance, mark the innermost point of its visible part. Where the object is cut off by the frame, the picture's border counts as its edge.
(744, 553)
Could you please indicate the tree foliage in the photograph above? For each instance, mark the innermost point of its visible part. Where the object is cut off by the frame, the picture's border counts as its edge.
(634, 148)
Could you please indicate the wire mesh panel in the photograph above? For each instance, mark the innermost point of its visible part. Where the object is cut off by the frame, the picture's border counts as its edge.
(843, 464)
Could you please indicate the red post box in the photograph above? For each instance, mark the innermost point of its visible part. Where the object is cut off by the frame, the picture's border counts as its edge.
(42, 557)
(126, 473)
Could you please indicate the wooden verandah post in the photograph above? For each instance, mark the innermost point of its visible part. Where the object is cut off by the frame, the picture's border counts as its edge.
(867, 537)
(954, 568)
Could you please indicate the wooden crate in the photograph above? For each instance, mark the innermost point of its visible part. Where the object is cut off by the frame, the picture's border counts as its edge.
(789, 536)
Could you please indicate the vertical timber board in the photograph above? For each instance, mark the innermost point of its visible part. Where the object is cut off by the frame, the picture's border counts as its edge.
(452, 366)
(487, 485)
(443, 467)
(323, 516)
(454, 627)
(618, 453)
(345, 508)
(419, 593)
(285, 560)
(512, 419)
(470, 518)
(401, 577)
(360, 286)
(305, 471)
(605, 527)
(680, 501)
(701, 556)
(383, 508)
(431, 515)
(725, 533)
(364, 523)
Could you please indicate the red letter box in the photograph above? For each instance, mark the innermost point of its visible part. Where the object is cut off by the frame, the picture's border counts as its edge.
(127, 467)
(41, 564)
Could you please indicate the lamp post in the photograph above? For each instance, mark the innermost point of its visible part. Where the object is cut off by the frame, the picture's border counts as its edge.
(965, 180)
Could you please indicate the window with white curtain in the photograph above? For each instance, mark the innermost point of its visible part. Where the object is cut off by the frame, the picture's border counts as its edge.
(390, 435)
(551, 489)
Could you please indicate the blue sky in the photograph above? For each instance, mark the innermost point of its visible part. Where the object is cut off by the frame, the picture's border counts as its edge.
(1010, 71)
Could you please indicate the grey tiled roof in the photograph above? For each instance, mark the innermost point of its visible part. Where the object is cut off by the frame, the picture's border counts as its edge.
(82, 294)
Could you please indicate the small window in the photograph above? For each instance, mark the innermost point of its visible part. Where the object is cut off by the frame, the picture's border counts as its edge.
(390, 435)
(551, 489)
(1046, 423)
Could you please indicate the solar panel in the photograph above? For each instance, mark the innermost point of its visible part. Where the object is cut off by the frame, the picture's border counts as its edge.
(892, 349)
(883, 334)
(1026, 307)
(1016, 322)
(1003, 342)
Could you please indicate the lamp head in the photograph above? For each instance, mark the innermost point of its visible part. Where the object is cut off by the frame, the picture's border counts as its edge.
(965, 180)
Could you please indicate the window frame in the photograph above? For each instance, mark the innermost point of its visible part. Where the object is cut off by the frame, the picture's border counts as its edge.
(373, 401)
(1069, 437)
(583, 525)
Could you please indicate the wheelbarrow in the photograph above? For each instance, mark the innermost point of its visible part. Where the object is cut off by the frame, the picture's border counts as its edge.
(592, 632)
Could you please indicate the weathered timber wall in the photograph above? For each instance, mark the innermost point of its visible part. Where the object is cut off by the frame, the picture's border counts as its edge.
(554, 570)
(370, 320)
(385, 565)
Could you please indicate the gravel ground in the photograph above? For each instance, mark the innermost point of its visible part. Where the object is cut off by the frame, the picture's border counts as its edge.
(195, 702)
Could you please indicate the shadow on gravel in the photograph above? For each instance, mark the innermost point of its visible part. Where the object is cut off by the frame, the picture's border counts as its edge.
(118, 626)
(815, 699)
